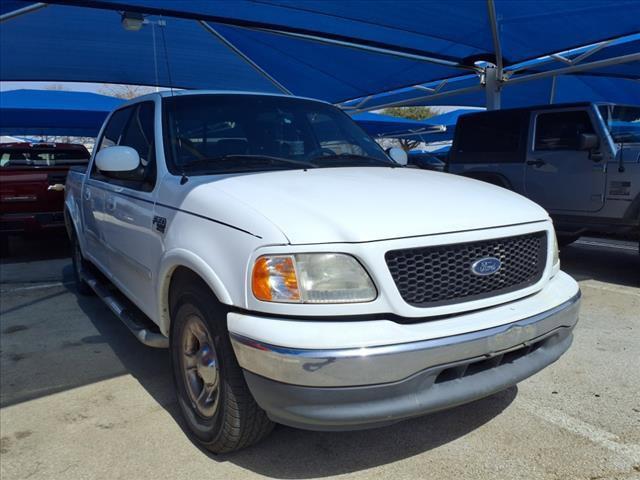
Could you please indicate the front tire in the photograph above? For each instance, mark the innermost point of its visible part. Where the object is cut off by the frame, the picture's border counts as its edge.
(212, 393)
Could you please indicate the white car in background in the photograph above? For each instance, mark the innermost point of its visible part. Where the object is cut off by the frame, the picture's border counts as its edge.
(301, 276)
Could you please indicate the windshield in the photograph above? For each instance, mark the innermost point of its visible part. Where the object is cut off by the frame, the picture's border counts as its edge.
(42, 157)
(623, 122)
(206, 134)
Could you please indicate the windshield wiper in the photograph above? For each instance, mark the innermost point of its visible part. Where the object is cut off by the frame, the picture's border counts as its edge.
(353, 158)
(234, 160)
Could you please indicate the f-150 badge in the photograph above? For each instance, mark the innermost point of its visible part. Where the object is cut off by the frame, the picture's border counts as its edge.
(160, 223)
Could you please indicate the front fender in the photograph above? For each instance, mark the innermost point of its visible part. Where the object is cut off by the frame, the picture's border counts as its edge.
(179, 257)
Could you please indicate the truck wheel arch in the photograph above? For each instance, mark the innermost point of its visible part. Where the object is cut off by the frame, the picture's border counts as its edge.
(179, 261)
(71, 219)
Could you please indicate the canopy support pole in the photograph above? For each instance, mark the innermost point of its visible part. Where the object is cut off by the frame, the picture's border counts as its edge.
(583, 67)
(22, 11)
(251, 63)
(492, 87)
(367, 48)
(412, 101)
(493, 74)
(497, 47)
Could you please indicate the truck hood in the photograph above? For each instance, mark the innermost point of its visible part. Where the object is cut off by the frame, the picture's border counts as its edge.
(373, 203)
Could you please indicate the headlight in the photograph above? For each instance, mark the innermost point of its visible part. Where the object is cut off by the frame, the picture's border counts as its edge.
(556, 253)
(311, 278)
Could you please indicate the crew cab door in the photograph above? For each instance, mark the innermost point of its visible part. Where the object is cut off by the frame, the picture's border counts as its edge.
(133, 242)
(559, 175)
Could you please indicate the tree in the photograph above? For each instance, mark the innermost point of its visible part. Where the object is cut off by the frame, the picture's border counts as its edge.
(412, 113)
(126, 92)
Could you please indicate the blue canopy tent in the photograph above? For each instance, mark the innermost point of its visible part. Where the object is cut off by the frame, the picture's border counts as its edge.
(329, 49)
(53, 112)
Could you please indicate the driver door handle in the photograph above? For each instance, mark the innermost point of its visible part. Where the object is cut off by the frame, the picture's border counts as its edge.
(536, 163)
(86, 194)
(111, 203)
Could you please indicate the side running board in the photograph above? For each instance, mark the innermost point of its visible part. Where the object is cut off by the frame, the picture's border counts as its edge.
(118, 306)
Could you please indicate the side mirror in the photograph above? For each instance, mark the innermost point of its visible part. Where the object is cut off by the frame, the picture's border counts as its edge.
(588, 141)
(116, 160)
(398, 155)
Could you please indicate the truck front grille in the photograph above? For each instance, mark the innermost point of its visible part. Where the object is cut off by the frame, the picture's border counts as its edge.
(442, 274)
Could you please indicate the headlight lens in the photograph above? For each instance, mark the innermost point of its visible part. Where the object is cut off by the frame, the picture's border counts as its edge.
(311, 278)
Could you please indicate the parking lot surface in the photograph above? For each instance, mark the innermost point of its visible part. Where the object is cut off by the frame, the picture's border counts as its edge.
(81, 398)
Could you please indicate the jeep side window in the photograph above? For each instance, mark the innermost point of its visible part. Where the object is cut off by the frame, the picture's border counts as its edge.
(561, 130)
(491, 137)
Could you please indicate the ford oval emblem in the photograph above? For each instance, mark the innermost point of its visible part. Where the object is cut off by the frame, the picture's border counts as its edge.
(486, 266)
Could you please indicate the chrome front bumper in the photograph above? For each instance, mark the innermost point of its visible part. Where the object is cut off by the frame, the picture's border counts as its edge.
(392, 363)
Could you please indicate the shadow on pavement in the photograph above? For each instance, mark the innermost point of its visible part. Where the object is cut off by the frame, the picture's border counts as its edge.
(54, 340)
(44, 246)
(619, 266)
(299, 454)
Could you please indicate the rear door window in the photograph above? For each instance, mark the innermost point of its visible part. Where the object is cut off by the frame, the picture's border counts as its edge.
(561, 130)
(132, 127)
(115, 127)
(139, 133)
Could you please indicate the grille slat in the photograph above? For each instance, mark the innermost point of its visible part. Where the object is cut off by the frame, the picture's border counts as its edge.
(442, 275)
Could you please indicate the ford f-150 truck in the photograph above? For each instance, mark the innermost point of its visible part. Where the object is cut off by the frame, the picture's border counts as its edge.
(300, 275)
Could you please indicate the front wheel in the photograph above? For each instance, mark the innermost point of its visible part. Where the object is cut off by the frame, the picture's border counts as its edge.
(212, 393)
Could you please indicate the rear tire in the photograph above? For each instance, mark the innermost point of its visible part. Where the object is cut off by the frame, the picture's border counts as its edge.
(79, 266)
(210, 386)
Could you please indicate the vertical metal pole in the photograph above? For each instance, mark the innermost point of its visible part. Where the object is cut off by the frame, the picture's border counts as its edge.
(495, 33)
(552, 94)
(492, 87)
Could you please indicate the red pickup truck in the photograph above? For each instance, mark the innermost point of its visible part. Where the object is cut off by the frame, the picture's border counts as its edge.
(32, 179)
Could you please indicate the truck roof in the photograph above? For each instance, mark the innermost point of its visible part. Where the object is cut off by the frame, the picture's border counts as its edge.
(181, 93)
(553, 106)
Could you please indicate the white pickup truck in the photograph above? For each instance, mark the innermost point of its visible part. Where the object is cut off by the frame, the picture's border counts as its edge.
(300, 275)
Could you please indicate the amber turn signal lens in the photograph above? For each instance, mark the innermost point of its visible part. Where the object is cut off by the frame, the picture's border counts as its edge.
(274, 279)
